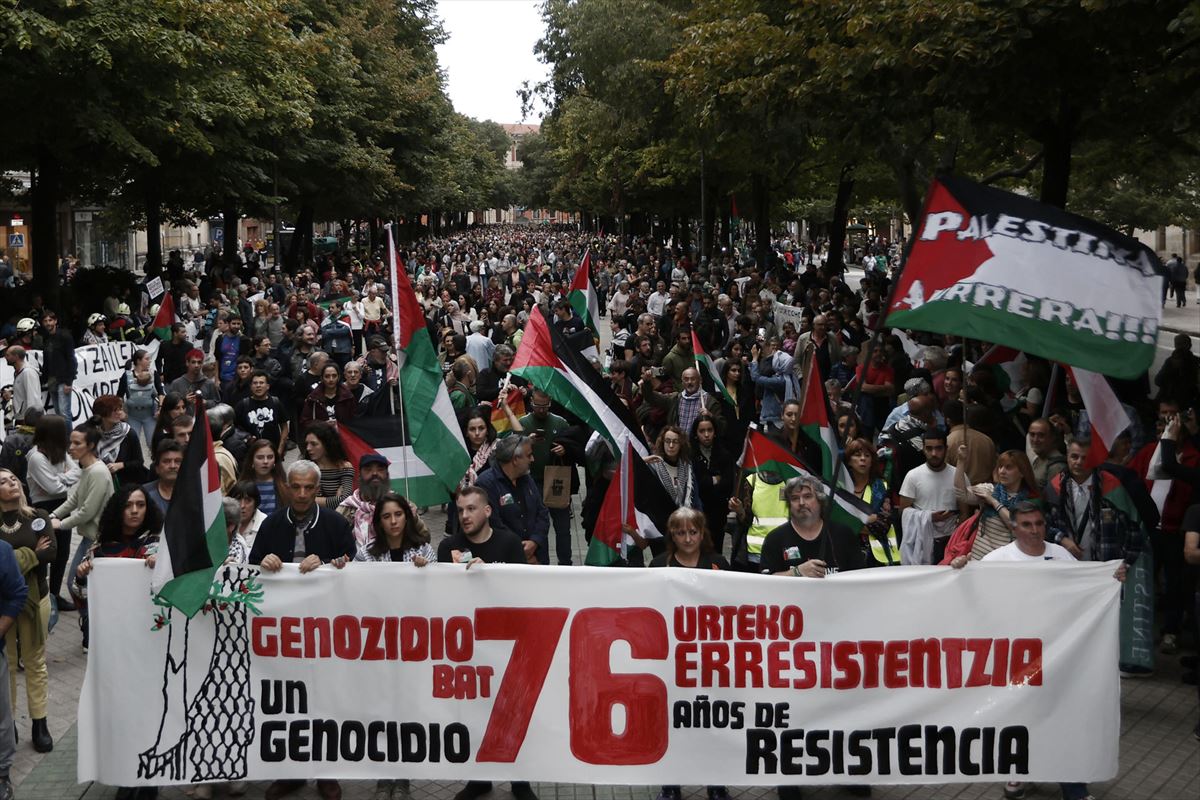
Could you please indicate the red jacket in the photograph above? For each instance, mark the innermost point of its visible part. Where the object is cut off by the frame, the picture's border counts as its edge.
(1180, 496)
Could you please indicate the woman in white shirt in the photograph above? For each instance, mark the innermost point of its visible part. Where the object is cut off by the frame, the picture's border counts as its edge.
(52, 473)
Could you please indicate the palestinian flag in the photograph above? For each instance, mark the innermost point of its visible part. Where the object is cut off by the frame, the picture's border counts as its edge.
(710, 379)
(637, 498)
(551, 364)
(582, 295)
(195, 542)
(814, 423)
(1106, 415)
(165, 318)
(999, 267)
(421, 439)
(763, 455)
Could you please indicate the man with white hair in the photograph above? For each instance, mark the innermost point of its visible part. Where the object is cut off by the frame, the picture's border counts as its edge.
(480, 346)
(302, 532)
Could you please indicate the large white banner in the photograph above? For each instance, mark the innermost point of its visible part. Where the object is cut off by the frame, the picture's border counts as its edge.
(588, 675)
(98, 370)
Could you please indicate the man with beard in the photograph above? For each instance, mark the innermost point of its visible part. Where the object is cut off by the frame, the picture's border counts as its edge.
(806, 545)
(359, 508)
(480, 538)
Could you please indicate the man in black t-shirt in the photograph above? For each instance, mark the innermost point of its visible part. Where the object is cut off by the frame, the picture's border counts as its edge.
(807, 545)
(262, 414)
(477, 541)
(485, 543)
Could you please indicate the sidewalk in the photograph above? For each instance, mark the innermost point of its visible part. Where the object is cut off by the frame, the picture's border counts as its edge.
(1160, 760)
(1182, 320)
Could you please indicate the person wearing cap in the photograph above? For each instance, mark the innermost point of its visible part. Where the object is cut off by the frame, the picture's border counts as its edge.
(27, 334)
(27, 384)
(374, 481)
(378, 368)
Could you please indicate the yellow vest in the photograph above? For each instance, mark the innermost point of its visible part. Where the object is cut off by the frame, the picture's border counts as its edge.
(768, 511)
(887, 550)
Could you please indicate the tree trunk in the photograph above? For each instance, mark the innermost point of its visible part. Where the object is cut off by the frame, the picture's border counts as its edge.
(1056, 166)
(373, 235)
(841, 215)
(762, 221)
(43, 222)
(154, 259)
(229, 252)
(303, 230)
(726, 223)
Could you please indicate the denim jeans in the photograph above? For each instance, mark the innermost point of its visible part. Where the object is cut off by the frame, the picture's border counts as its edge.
(8, 736)
(63, 402)
(146, 426)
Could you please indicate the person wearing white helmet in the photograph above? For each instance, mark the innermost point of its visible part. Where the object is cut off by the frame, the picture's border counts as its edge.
(27, 334)
(95, 333)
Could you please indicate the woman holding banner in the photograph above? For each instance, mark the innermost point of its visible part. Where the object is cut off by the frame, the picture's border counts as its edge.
(690, 546)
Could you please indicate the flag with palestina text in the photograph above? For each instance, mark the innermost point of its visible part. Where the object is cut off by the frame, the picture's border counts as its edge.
(1000, 267)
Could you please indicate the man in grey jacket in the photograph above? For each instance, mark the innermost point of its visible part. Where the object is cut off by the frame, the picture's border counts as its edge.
(27, 384)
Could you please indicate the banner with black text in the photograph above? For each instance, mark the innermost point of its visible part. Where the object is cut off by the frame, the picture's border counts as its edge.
(589, 675)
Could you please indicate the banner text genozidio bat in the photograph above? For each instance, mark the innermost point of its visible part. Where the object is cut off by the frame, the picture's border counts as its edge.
(708, 647)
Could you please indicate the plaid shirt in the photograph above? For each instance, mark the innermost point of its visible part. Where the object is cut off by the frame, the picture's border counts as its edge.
(1121, 538)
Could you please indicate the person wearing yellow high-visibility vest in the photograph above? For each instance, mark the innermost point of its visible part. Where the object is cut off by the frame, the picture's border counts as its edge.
(760, 509)
(879, 539)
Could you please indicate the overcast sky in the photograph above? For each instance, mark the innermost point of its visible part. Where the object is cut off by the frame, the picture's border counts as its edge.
(489, 54)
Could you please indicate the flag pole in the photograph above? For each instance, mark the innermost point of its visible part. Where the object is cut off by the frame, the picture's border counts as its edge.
(393, 275)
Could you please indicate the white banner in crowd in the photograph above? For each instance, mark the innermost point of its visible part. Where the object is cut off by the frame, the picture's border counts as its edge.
(98, 370)
(785, 314)
(589, 675)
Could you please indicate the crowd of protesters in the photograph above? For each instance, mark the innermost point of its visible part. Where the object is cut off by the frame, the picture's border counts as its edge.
(958, 459)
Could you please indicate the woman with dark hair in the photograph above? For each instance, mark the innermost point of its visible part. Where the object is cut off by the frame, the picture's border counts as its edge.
(172, 406)
(672, 464)
(50, 474)
(128, 527)
(879, 538)
(735, 377)
(32, 539)
(329, 401)
(396, 534)
(250, 516)
(82, 509)
(325, 449)
(689, 546)
(141, 388)
(262, 468)
(715, 468)
(120, 449)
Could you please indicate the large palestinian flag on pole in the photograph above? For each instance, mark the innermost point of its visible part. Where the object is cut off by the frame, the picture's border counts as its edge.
(423, 441)
(991, 265)
(549, 362)
(760, 454)
(195, 542)
(582, 295)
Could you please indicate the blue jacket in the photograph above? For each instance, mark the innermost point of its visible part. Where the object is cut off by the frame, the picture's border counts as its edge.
(13, 588)
(518, 508)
